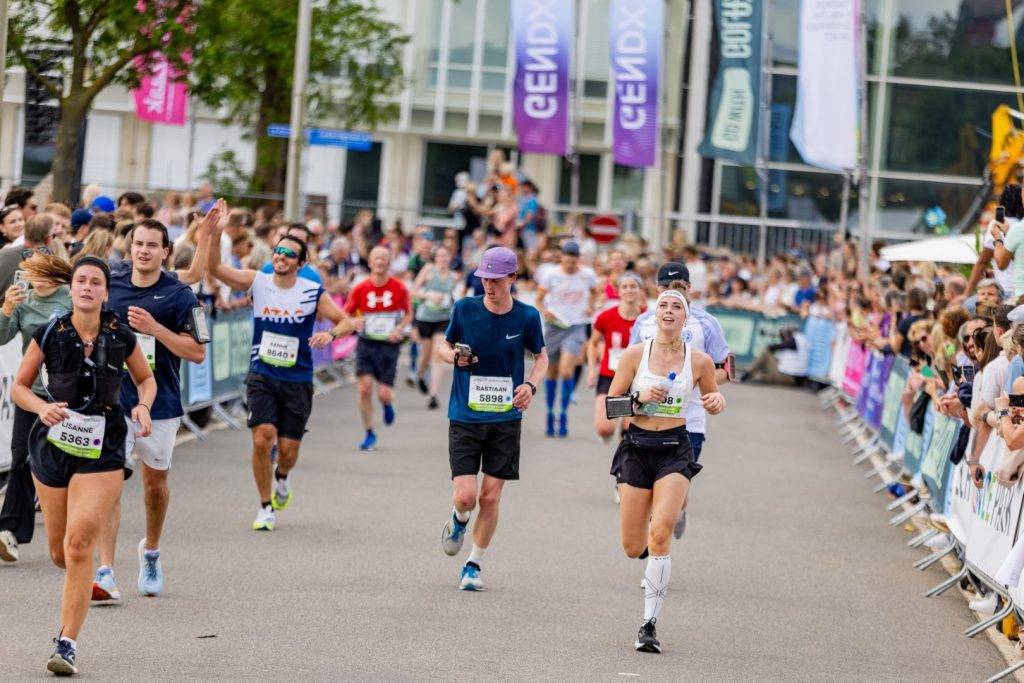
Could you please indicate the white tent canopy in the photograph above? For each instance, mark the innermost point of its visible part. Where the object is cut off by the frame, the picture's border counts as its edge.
(952, 249)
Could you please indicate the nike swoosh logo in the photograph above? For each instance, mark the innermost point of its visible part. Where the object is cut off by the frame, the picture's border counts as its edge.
(159, 296)
(514, 336)
(673, 273)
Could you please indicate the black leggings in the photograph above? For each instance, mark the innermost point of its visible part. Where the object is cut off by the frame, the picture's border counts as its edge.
(19, 511)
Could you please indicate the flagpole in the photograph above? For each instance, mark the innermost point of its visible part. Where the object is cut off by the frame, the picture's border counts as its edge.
(862, 165)
(764, 133)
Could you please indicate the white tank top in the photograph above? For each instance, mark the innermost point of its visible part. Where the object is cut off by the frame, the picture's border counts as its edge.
(675, 405)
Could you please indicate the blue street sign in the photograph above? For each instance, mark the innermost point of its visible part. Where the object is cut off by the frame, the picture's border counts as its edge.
(326, 137)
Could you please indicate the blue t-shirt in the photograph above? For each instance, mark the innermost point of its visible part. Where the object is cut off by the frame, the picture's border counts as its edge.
(170, 303)
(285, 317)
(805, 295)
(1016, 370)
(528, 206)
(498, 341)
(307, 271)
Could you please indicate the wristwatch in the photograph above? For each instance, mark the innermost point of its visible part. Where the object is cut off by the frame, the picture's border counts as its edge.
(533, 387)
(1003, 412)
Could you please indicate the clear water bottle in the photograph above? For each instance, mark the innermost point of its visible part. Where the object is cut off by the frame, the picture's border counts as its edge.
(651, 408)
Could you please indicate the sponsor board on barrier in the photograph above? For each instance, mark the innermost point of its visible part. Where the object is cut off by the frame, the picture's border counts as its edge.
(917, 444)
(935, 461)
(854, 369)
(994, 512)
(840, 351)
(876, 389)
(892, 405)
(10, 359)
(820, 333)
(227, 360)
(748, 333)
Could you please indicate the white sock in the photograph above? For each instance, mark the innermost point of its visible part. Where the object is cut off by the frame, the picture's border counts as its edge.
(73, 644)
(476, 554)
(461, 516)
(657, 574)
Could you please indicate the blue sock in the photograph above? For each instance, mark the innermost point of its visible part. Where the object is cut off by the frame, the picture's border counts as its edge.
(567, 386)
(414, 354)
(550, 389)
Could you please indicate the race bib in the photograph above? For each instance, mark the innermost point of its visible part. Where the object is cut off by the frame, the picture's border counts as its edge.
(279, 350)
(379, 326)
(614, 356)
(445, 303)
(79, 435)
(490, 394)
(148, 344)
(673, 405)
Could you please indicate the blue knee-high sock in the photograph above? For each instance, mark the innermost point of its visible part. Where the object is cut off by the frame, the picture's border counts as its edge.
(567, 386)
(550, 390)
(414, 354)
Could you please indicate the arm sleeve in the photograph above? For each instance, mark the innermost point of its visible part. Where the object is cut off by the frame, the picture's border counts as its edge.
(714, 339)
(534, 337)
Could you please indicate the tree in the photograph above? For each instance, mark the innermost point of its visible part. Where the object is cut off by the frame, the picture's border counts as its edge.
(105, 40)
(247, 61)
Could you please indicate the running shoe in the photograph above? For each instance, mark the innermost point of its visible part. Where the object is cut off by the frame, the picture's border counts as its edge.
(369, 442)
(281, 497)
(422, 383)
(265, 520)
(647, 638)
(104, 589)
(151, 574)
(389, 414)
(39, 508)
(563, 425)
(471, 578)
(453, 535)
(8, 546)
(62, 661)
(551, 425)
(432, 404)
(680, 525)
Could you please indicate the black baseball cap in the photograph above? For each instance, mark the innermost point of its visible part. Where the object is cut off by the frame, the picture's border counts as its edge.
(672, 271)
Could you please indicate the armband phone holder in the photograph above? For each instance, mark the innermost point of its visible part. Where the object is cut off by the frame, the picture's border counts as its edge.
(197, 327)
(618, 406)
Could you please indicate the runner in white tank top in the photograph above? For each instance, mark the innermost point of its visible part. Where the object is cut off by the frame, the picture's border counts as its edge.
(654, 462)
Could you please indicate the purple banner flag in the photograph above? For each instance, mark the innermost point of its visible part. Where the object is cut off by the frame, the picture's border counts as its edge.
(543, 35)
(637, 27)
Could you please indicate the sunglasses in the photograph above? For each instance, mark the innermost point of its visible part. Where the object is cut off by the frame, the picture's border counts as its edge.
(285, 251)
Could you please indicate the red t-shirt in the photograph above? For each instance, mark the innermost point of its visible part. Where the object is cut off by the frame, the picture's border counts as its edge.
(615, 330)
(381, 307)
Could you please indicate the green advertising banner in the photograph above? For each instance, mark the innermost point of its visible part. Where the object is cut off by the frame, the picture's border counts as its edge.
(748, 333)
(892, 402)
(223, 372)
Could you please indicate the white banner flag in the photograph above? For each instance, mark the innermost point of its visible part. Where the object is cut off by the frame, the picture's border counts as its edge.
(825, 122)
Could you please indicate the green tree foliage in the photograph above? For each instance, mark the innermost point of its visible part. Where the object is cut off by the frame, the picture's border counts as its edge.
(226, 175)
(104, 38)
(247, 60)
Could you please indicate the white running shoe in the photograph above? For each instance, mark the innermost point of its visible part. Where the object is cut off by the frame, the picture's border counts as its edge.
(985, 605)
(937, 542)
(8, 546)
(282, 494)
(265, 520)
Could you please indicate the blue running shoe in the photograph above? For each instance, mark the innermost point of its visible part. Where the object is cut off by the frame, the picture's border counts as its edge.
(563, 425)
(453, 535)
(551, 425)
(62, 661)
(389, 414)
(104, 590)
(151, 574)
(369, 442)
(471, 578)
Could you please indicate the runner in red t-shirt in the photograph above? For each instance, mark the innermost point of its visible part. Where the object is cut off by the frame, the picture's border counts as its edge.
(607, 342)
(381, 312)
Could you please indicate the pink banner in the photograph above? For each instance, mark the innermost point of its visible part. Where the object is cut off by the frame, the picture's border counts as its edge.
(855, 362)
(160, 98)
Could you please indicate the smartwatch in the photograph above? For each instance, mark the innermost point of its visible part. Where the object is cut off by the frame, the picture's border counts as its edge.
(533, 387)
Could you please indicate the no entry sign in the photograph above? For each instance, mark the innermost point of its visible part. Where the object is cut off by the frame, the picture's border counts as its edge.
(605, 228)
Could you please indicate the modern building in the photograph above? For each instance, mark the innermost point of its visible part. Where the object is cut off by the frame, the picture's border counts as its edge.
(936, 71)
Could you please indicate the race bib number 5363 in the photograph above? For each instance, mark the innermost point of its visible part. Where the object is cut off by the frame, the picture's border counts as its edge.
(79, 435)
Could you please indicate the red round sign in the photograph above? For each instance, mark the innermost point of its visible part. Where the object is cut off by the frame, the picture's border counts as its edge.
(605, 228)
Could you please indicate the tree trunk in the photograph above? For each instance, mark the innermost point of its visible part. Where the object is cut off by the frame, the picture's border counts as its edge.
(65, 159)
(272, 153)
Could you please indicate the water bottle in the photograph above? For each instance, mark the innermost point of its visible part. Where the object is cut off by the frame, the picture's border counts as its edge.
(650, 408)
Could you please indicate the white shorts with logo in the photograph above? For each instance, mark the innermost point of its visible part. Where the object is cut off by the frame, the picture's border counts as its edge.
(157, 449)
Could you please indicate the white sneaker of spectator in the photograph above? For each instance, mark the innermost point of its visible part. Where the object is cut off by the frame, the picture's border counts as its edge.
(985, 605)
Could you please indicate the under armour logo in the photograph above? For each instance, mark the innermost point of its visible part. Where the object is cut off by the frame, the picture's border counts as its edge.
(372, 300)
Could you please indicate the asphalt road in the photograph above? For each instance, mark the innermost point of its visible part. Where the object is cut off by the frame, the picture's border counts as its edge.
(788, 570)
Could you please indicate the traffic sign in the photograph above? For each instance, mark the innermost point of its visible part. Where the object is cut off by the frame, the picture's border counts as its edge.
(605, 228)
(326, 137)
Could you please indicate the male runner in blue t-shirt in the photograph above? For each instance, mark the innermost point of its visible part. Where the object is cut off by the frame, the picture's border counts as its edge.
(486, 339)
(159, 310)
(279, 388)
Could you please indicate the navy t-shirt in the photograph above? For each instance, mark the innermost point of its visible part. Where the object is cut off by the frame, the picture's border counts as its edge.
(170, 303)
(498, 341)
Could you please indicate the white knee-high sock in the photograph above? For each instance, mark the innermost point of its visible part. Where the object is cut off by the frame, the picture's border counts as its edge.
(657, 574)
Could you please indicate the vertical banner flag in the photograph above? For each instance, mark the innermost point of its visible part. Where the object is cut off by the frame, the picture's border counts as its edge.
(160, 97)
(543, 35)
(637, 30)
(825, 124)
(736, 97)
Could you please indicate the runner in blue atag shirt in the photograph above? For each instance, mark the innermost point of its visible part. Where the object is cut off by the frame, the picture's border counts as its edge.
(486, 341)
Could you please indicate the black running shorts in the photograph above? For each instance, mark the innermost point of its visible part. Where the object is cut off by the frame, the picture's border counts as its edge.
(491, 447)
(603, 385)
(643, 457)
(286, 405)
(53, 467)
(379, 359)
(426, 330)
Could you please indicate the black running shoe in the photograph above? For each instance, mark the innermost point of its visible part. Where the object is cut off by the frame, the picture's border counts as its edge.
(433, 404)
(424, 389)
(647, 638)
(62, 661)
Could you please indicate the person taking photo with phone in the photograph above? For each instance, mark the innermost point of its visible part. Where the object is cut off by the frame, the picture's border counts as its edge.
(993, 248)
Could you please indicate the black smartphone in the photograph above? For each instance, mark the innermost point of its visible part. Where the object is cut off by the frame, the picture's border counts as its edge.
(1017, 400)
(618, 406)
(1000, 214)
(967, 372)
(958, 373)
(730, 367)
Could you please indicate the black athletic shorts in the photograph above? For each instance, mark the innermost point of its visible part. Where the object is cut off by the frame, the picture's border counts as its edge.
(53, 467)
(379, 359)
(286, 405)
(427, 330)
(603, 385)
(492, 447)
(643, 457)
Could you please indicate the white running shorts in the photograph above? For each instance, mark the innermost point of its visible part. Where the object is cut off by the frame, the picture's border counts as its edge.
(156, 449)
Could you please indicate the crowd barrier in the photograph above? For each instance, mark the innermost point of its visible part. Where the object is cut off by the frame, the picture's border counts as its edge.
(217, 381)
(984, 524)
